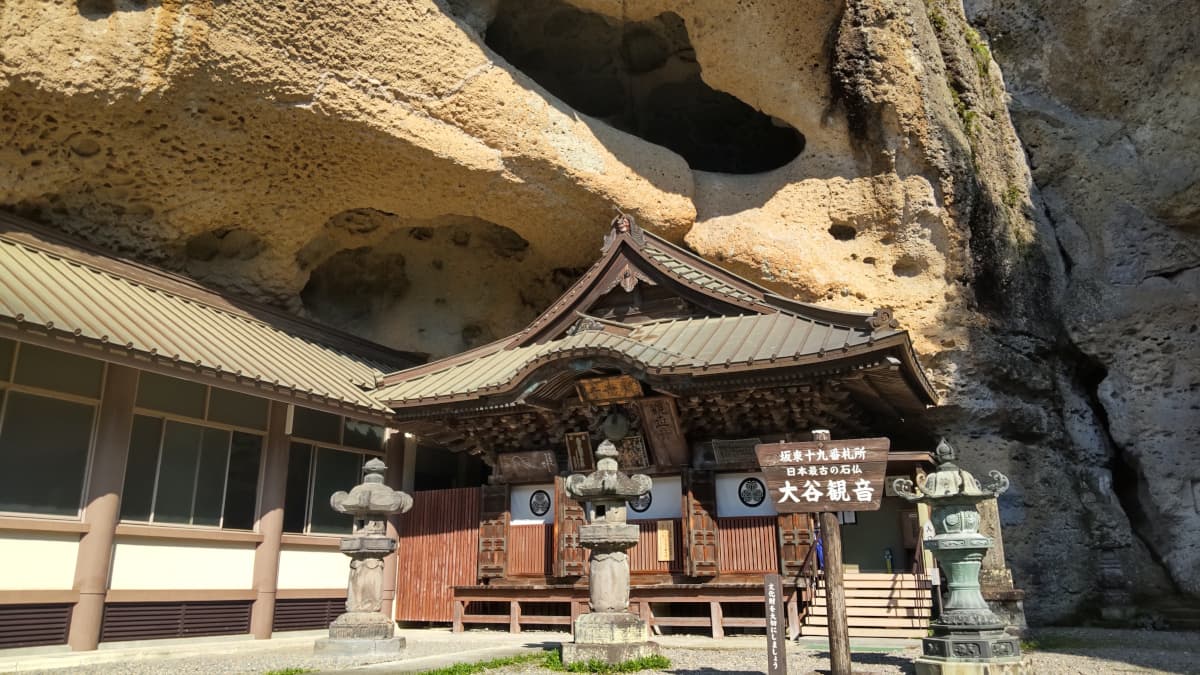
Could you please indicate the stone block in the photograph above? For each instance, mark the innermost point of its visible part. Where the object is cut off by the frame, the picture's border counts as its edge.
(357, 647)
(610, 653)
(361, 626)
(599, 628)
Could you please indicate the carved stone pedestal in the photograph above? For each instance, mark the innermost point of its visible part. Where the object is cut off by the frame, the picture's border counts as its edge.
(610, 637)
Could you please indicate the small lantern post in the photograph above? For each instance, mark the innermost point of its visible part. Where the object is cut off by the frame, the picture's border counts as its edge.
(363, 628)
(610, 632)
(968, 638)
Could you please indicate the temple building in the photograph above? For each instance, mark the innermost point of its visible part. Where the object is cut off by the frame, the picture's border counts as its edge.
(694, 366)
(167, 452)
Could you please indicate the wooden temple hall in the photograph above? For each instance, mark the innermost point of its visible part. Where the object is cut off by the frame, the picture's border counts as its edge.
(695, 366)
(167, 452)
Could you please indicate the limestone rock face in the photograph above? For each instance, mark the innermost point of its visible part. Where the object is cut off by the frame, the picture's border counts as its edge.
(430, 174)
(1103, 96)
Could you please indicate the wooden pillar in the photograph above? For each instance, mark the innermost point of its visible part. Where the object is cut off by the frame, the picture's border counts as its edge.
(93, 561)
(835, 595)
(270, 522)
(397, 449)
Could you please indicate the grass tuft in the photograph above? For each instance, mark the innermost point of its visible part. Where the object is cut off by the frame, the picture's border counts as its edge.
(289, 671)
(654, 662)
(552, 660)
(481, 666)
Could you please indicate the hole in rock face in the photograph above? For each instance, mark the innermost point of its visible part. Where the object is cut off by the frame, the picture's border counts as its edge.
(347, 285)
(642, 78)
(909, 266)
(842, 232)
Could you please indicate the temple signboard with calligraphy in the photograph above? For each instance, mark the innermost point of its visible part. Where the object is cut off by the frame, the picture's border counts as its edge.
(816, 476)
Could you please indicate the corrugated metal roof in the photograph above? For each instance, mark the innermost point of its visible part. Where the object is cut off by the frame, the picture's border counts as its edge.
(46, 288)
(674, 344)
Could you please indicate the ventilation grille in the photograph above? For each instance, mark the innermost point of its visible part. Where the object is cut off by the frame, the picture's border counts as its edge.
(148, 620)
(307, 613)
(33, 625)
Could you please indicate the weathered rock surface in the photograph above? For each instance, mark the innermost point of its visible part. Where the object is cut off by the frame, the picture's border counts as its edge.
(430, 174)
(1106, 97)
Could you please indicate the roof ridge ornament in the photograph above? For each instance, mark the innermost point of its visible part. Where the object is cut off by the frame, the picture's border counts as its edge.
(883, 319)
(623, 224)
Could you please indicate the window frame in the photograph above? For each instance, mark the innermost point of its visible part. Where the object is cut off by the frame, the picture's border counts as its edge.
(203, 423)
(310, 481)
(7, 385)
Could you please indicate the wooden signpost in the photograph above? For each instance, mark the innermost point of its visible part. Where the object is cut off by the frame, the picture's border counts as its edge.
(825, 476)
(776, 641)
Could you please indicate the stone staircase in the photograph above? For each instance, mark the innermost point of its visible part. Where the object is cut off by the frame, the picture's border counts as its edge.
(877, 605)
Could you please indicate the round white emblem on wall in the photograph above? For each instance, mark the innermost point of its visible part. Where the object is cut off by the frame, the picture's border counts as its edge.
(642, 502)
(539, 502)
(752, 492)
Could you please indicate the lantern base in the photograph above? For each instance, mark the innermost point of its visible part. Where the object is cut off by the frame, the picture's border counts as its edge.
(972, 653)
(357, 647)
(610, 637)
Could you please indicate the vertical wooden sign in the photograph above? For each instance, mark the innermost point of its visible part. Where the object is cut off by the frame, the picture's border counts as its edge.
(660, 425)
(776, 640)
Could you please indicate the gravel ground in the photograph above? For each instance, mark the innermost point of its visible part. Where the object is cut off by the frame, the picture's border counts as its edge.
(1074, 651)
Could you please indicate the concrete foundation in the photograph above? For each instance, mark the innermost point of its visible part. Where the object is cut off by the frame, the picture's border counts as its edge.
(357, 647)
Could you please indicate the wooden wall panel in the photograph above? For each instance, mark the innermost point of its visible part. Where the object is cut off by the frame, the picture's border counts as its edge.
(531, 550)
(32, 625)
(152, 620)
(306, 613)
(439, 545)
(643, 557)
(748, 544)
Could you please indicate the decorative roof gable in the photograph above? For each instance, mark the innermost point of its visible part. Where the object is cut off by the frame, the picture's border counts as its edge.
(685, 323)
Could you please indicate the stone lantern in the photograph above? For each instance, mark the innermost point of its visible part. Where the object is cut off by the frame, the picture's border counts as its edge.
(610, 632)
(968, 638)
(363, 628)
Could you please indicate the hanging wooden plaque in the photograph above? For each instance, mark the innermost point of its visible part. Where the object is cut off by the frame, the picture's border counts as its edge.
(535, 465)
(631, 453)
(599, 390)
(660, 425)
(579, 451)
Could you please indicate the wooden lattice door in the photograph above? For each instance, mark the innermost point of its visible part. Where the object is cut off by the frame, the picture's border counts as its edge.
(700, 524)
(795, 541)
(493, 532)
(570, 558)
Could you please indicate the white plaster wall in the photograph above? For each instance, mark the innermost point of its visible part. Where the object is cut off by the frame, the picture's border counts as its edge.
(729, 505)
(666, 500)
(313, 568)
(521, 513)
(37, 561)
(142, 564)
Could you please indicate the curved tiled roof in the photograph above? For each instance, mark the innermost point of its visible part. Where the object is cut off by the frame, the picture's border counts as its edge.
(115, 308)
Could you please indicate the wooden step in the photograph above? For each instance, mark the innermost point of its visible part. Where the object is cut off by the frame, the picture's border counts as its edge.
(885, 576)
(879, 602)
(910, 582)
(856, 632)
(880, 593)
(872, 622)
(915, 612)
